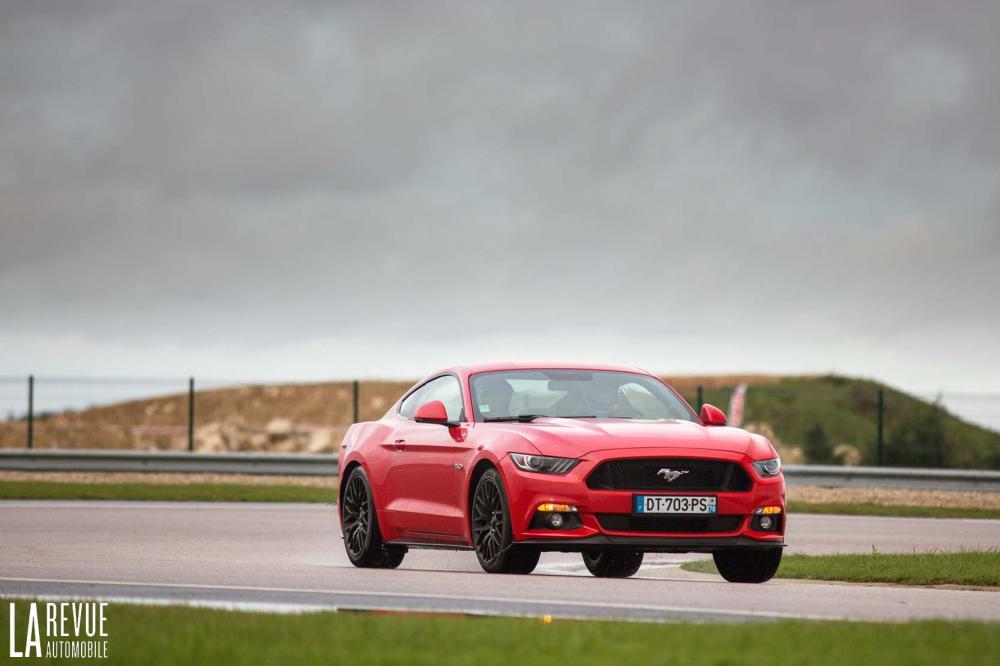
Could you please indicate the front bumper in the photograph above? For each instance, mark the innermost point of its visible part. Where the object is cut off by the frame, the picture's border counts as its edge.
(654, 544)
(527, 490)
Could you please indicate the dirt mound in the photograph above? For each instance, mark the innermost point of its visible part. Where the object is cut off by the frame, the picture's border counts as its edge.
(265, 417)
(279, 418)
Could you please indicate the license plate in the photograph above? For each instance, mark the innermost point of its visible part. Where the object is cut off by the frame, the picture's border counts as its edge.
(675, 503)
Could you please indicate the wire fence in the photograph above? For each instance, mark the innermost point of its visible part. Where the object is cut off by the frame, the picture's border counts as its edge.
(217, 415)
(982, 409)
(185, 413)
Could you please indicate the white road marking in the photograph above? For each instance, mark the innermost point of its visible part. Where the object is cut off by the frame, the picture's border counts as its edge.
(245, 606)
(580, 569)
(446, 597)
(144, 505)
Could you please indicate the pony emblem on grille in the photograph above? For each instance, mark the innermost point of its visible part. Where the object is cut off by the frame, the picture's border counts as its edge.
(671, 475)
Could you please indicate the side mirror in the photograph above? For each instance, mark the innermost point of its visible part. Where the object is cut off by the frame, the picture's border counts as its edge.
(432, 412)
(710, 415)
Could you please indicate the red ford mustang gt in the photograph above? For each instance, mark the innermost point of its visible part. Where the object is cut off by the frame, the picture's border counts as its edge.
(511, 460)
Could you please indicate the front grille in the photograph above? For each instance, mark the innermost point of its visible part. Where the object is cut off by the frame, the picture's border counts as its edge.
(643, 474)
(623, 522)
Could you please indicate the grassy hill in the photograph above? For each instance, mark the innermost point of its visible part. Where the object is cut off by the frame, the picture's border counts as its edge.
(816, 419)
(812, 416)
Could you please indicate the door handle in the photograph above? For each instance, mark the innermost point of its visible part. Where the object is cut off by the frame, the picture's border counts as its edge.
(399, 444)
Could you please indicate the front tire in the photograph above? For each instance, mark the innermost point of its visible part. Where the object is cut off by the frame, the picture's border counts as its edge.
(613, 563)
(748, 565)
(359, 521)
(491, 530)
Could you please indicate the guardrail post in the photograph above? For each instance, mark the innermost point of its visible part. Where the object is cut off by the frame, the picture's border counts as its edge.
(879, 437)
(701, 397)
(357, 389)
(191, 414)
(31, 410)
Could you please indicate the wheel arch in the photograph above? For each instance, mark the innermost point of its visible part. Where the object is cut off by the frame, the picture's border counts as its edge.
(484, 465)
(345, 474)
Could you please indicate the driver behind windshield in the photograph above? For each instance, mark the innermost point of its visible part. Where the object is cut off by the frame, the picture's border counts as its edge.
(493, 396)
(595, 398)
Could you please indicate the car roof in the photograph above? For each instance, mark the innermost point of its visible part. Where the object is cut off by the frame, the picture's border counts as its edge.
(472, 369)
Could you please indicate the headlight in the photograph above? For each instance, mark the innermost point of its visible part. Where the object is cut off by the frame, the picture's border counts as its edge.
(527, 462)
(768, 468)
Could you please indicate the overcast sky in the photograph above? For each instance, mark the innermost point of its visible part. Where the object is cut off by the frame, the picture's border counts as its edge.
(312, 189)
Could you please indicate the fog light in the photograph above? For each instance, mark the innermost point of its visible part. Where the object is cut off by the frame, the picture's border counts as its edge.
(766, 522)
(556, 520)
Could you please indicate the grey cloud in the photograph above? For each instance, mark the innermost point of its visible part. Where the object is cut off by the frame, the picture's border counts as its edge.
(267, 172)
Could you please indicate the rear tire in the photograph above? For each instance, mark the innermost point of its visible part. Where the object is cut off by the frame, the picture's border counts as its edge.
(748, 565)
(359, 522)
(613, 563)
(492, 535)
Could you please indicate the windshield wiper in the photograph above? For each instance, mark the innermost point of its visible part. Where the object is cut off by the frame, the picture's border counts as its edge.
(527, 418)
(520, 418)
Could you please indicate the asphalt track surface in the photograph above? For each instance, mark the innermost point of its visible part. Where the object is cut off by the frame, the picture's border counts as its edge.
(289, 557)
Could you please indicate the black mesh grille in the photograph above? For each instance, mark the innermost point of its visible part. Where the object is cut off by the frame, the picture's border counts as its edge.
(643, 474)
(623, 522)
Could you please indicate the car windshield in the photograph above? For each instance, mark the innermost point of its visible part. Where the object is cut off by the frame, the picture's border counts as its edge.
(526, 394)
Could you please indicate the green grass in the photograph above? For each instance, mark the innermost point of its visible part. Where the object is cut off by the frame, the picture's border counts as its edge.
(871, 509)
(970, 567)
(201, 492)
(180, 635)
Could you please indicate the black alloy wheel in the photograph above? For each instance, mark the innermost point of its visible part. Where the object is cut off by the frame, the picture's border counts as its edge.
(612, 563)
(362, 538)
(491, 530)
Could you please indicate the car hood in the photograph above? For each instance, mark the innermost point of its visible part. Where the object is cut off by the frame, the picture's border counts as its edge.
(574, 438)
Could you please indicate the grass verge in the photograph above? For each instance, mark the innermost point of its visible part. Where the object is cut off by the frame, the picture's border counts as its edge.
(200, 492)
(872, 509)
(970, 567)
(182, 635)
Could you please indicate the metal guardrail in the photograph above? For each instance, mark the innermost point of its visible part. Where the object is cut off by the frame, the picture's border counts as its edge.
(70, 460)
(311, 464)
(915, 478)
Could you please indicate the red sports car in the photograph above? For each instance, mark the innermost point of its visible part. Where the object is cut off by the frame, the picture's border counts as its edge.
(511, 460)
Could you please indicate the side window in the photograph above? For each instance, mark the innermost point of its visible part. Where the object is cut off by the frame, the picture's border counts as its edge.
(409, 406)
(446, 389)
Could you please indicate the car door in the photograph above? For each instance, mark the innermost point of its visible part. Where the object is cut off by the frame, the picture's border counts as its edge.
(424, 481)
